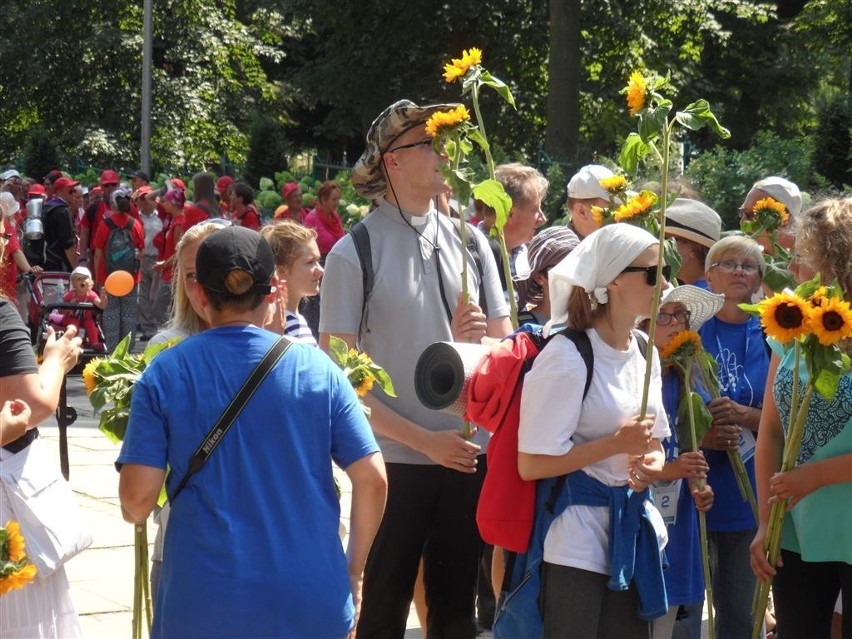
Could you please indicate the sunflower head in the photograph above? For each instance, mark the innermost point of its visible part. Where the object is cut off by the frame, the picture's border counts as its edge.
(458, 68)
(90, 374)
(598, 215)
(442, 123)
(831, 321)
(785, 316)
(682, 346)
(614, 184)
(635, 207)
(637, 92)
(366, 385)
(819, 297)
(770, 213)
(16, 541)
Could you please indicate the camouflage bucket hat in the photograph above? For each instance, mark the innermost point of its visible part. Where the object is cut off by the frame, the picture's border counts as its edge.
(399, 117)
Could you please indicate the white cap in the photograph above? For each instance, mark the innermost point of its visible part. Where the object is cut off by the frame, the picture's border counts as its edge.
(9, 206)
(81, 271)
(586, 183)
(782, 190)
(6, 175)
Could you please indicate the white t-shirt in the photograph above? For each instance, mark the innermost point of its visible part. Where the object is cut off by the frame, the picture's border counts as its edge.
(554, 418)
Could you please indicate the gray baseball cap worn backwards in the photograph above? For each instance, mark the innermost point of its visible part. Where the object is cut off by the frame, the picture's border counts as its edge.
(394, 121)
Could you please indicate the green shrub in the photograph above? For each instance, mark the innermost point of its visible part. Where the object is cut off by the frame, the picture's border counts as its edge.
(268, 148)
(833, 142)
(723, 177)
(40, 154)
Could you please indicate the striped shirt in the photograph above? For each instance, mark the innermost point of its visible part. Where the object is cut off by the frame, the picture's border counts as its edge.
(298, 330)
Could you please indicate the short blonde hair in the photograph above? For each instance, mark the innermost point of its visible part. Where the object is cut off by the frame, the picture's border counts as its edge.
(286, 240)
(736, 245)
(522, 183)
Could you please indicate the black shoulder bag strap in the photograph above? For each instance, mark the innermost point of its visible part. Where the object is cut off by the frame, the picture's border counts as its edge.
(230, 414)
(361, 238)
(473, 250)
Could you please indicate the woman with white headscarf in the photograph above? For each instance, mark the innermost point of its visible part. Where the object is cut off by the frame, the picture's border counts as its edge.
(607, 452)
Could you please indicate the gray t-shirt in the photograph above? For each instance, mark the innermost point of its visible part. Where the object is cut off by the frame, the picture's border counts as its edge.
(405, 313)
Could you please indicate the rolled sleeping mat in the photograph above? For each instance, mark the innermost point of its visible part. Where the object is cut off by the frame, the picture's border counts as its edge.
(443, 373)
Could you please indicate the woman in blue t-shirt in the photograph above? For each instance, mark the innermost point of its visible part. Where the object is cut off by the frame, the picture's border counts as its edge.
(735, 269)
(679, 490)
(816, 543)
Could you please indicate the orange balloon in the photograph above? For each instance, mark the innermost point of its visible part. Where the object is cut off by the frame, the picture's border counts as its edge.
(119, 283)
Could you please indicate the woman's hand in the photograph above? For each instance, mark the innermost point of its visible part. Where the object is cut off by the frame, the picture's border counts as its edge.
(633, 436)
(702, 495)
(691, 465)
(726, 412)
(66, 349)
(794, 485)
(759, 565)
(722, 437)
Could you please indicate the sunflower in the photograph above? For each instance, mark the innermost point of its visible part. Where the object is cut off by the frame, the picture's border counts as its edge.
(635, 207)
(90, 374)
(441, 121)
(366, 385)
(770, 212)
(637, 91)
(598, 215)
(785, 316)
(459, 68)
(17, 579)
(819, 297)
(832, 321)
(16, 541)
(614, 184)
(682, 345)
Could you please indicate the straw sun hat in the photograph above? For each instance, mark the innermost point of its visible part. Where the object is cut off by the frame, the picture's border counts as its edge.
(701, 303)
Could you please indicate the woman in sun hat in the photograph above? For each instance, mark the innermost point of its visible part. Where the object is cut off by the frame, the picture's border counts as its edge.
(599, 442)
(696, 228)
(683, 308)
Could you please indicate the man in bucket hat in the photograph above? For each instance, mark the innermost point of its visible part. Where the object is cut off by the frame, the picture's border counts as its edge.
(434, 474)
(696, 228)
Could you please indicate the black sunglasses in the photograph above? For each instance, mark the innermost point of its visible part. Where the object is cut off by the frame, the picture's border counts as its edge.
(650, 273)
(413, 145)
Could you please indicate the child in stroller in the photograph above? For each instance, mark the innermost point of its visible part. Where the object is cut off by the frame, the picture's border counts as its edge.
(81, 292)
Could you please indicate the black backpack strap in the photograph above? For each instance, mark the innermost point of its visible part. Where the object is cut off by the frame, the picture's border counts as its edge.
(361, 238)
(109, 222)
(232, 411)
(642, 341)
(584, 347)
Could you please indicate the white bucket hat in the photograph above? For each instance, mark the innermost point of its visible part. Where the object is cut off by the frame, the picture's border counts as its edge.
(701, 303)
(693, 220)
(9, 206)
(586, 183)
(782, 190)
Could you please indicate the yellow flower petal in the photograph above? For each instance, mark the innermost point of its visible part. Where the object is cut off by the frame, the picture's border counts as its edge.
(441, 122)
(637, 91)
(635, 207)
(682, 345)
(614, 184)
(785, 316)
(16, 541)
(458, 68)
(89, 374)
(831, 321)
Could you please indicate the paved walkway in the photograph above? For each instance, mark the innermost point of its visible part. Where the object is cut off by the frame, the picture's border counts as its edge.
(102, 576)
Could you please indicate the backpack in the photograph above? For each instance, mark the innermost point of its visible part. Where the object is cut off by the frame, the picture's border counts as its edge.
(361, 239)
(35, 250)
(120, 251)
(513, 513)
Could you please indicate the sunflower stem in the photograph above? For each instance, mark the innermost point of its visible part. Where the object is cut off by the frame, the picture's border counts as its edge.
(702, 521)
(481, 124)
(792, 445)
(658, 287)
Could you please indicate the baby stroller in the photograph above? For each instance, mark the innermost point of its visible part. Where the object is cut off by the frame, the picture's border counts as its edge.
(46, 308)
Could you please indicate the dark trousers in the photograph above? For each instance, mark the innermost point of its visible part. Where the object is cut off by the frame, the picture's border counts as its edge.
(577, 603)
(805, 593)
(430, 512)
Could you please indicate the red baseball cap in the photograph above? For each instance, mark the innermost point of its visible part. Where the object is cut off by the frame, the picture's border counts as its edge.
(95, 190)
(177, 183)
(36, 189)
(109, 178)
(142, 191)
(64, 183)
(223, 183)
